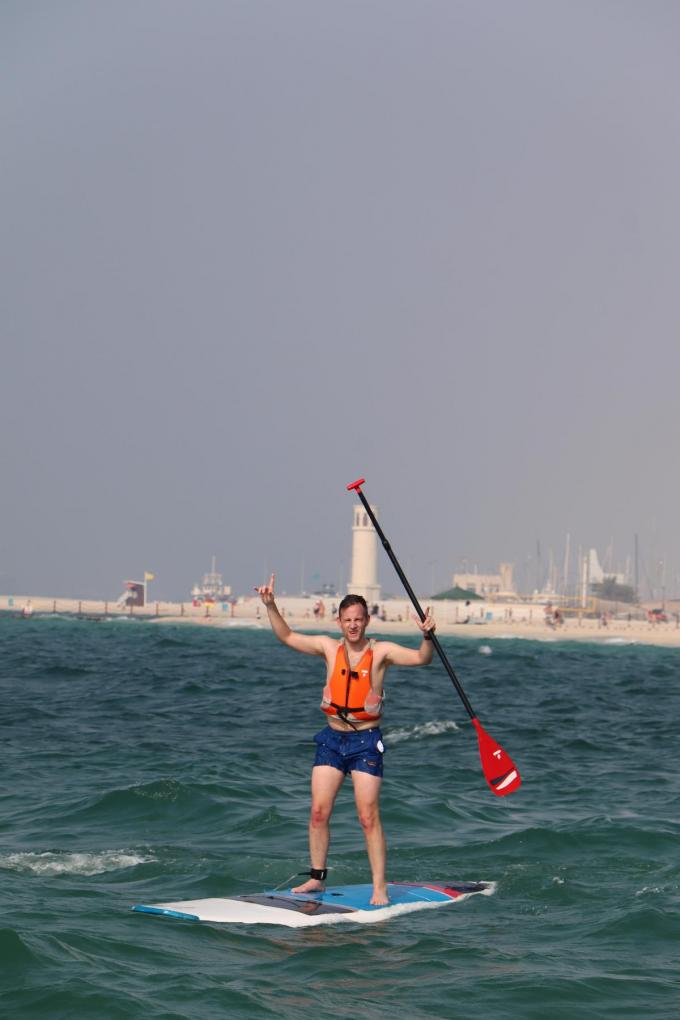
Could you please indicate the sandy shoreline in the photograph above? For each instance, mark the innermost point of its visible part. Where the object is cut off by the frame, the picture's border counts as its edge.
(487, 622)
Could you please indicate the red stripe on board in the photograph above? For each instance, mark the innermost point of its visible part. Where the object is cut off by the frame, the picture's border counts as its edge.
(447, 890)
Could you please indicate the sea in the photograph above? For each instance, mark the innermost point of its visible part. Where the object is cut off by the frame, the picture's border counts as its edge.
(144, 762)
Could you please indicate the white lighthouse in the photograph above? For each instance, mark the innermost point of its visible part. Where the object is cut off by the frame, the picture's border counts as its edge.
(364, 576)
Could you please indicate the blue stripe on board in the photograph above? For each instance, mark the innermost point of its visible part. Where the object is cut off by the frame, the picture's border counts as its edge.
(141, 909)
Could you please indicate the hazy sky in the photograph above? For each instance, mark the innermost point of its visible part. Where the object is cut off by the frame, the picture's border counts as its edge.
(253, 250)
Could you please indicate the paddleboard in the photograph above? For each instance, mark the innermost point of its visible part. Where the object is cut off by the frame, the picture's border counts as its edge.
(335, 904)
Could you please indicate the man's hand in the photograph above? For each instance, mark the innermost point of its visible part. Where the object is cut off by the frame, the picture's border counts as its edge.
(427, 625)
(266, 592)
(318, 644)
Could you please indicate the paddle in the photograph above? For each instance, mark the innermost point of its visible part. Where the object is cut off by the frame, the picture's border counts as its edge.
(499, 770)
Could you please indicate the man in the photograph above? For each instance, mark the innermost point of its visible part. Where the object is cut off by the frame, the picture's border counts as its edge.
(352, 741)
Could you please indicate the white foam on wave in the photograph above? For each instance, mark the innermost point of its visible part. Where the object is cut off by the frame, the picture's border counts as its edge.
(485, 650)
(428, 729)
(54, 863)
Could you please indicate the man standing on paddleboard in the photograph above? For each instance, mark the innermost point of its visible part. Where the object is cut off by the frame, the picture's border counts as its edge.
(352, 741)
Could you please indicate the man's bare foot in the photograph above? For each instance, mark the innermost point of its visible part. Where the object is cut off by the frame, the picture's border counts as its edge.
(313, 885)
(379, 897)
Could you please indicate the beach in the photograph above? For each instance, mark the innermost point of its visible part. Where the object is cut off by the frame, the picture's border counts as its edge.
(486, 619)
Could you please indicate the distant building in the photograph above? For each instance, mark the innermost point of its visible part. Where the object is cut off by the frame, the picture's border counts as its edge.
(134, 594)
(364, 575)
(487, 584)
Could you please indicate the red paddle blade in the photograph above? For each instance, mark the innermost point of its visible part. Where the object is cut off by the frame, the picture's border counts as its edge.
(499, 769)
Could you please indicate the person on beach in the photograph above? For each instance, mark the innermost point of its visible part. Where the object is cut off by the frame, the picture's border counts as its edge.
(351, 742)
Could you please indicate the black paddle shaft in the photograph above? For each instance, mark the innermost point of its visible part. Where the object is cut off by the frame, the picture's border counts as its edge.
(412, 595)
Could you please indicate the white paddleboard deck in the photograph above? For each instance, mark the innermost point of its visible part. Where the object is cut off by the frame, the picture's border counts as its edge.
(335, 904)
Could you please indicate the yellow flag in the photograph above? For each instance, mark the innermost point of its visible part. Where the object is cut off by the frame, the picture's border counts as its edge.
(148, 577)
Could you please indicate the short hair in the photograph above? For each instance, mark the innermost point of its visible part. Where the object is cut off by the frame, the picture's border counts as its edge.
(353, 600)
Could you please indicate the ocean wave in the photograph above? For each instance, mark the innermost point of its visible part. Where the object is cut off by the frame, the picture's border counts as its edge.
(14, 950)
(157, 799)
(647, 923)
(268, 820)
(163, 789)
(428, 729)
(64, 669)
(61, 863)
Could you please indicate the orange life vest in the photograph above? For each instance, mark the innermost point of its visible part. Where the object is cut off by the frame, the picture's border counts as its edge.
(348, 692)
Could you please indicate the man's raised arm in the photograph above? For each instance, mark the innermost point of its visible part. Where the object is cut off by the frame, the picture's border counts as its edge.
(307, 643)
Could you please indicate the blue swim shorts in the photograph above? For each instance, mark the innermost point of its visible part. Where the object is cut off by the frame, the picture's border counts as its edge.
(350, 752)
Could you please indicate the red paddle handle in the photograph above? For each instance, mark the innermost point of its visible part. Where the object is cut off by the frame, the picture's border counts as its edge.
(356, 485)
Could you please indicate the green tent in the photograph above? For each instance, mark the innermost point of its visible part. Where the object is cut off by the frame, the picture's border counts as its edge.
(458, 593)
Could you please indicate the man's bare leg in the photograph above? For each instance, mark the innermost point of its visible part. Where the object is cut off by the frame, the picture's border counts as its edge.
(326, 781)
(366, 796)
